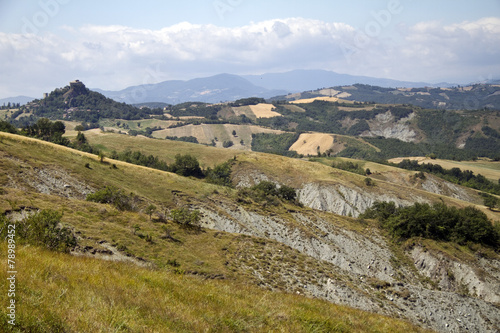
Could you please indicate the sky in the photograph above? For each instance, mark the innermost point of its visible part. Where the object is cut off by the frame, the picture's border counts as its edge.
(111, 44)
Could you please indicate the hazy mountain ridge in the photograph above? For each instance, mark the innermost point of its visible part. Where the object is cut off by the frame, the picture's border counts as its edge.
(229, 87)
(18, 99)
(214, 89)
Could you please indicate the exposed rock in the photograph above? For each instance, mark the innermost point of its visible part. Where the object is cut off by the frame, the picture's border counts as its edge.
(342, 200)
(385, 125)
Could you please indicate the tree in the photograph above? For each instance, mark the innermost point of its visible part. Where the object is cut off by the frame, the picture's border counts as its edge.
(287, 193)
(150, 210)
(234, 133)
(80, 138)
(490, 201)
(227, 144)
(186, 165)
(220, 174)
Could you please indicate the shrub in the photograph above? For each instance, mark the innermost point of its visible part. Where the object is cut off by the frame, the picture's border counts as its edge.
(184, 217)
(43, 229)
(438, 222)
(268, 193)
(114, 196)
(227, 144)
(369, 182)
(186, 165)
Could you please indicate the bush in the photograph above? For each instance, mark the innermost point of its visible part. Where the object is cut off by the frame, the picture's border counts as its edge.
(184, 217)
(186, 165)
(269, 193)
(227, 144)
(43, 229)
(220, 174)
(114, 196)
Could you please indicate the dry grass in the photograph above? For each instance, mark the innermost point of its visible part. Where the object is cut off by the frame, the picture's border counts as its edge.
(57, 292)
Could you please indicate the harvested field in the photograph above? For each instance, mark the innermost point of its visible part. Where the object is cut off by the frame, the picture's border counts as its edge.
(308, 143)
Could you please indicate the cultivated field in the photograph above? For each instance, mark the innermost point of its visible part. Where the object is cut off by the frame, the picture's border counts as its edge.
(308, 143)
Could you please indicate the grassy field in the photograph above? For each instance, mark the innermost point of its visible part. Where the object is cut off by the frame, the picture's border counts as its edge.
(164, 149)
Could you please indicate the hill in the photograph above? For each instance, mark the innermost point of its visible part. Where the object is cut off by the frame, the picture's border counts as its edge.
(473, 97)
(241, 238)
(304, 80)
(75, 102)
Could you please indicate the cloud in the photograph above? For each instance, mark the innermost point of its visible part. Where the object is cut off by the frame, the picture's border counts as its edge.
(113, 57)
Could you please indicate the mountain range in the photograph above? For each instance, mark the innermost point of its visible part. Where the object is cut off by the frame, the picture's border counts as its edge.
(229, 87)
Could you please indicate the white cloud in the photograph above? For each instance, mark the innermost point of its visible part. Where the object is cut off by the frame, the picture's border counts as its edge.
(113, 57)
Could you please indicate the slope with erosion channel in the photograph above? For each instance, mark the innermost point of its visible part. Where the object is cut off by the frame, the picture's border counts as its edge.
(324, 255)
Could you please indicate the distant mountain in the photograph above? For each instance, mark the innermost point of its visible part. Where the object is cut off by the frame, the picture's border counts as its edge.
(229, 87)
(213, 89)
(14, 100)
(303, 80)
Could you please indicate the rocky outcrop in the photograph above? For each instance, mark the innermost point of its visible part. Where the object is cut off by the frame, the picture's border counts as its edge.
(343, 200)
(385, 125)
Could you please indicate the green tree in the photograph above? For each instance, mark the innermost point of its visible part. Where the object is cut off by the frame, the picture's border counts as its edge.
(220, 174)
(150, 210)
(490, 201)
(227, 143)
(186, 165)
(287, 193)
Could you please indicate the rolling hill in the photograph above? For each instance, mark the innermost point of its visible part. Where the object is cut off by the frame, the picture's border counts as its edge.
(306, 248)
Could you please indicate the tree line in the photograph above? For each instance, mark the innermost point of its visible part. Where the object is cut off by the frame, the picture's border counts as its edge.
(454, 175)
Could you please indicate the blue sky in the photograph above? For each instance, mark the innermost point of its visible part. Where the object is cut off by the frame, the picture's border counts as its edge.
(114, 44)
